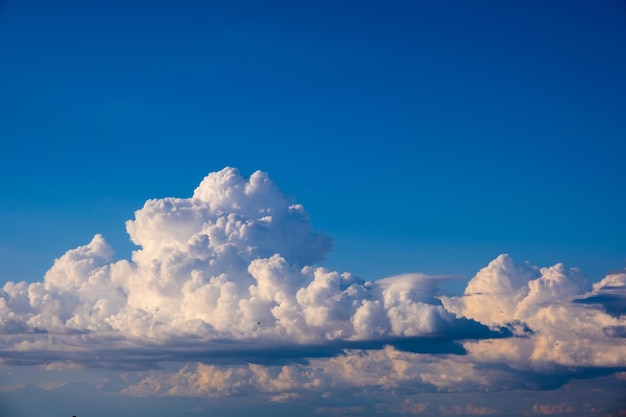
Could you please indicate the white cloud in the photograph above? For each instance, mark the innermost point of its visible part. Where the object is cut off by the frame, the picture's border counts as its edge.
(233, 262)
(566, 332)
(227, 283)
(503, 292)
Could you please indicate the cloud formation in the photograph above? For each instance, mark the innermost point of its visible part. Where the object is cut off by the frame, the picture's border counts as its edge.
(566, 332)
(235, 262)
(228, 284)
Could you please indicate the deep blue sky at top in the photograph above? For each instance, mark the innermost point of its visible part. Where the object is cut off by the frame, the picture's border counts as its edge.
(423, 136)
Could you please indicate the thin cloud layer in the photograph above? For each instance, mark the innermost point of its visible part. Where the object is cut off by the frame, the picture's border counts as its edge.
(227, 285)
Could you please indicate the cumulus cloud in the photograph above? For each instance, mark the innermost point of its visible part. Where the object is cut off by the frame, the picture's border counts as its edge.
(504, 292)
(569, 338)
(228, 283)
(234, 262)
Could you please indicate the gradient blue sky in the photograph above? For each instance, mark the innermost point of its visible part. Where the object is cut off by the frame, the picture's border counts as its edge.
(422, 136)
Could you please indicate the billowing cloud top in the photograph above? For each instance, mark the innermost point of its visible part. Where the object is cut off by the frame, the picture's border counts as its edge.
(229, 275)
(233, 262)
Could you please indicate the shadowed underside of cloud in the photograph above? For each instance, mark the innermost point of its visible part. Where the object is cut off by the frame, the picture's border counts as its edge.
(228, 279)
(610, 294)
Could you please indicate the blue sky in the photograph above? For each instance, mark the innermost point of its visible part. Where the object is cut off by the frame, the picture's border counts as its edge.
(424, 137)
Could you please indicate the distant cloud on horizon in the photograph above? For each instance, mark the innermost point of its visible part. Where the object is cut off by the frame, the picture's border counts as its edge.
(225, 283)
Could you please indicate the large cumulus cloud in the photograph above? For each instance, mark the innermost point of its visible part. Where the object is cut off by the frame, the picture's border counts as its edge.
(234, 262)
(228, 284)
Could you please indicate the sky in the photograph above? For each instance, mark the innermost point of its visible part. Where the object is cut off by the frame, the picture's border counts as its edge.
(324, 208)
